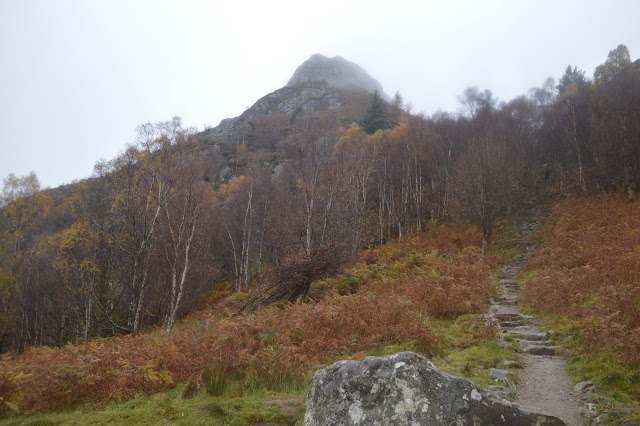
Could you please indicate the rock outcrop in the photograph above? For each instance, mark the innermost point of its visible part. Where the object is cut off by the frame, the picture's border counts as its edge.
(333, 87)
(405, 389)
(335, 72)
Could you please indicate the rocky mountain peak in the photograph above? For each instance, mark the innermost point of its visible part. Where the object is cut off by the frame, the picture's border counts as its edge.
(335, 72)
(331, 86)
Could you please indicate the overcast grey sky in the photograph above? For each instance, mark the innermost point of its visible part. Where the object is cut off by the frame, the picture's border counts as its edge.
(78, 76)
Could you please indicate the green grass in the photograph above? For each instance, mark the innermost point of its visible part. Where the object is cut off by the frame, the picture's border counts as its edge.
(263, 407)
(522, 277)
(215, 381)
(473, 363)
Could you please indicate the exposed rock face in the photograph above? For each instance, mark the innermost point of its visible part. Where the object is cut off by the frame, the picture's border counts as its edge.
(336, 72)
(405, 389)
(311, 97)
(332, 87)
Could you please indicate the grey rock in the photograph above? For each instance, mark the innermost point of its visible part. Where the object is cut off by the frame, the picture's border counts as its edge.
(584, 412)
(511, 324)
(500, 391)
(533, 337)
(498, 374)
(601, 400)
(526, 342)
(225, 131)
(333, 103)
(503, 343)
(541, 350)
(405, 389)
(582, 386)
(587, 396)
(621, 412)
(509, 317)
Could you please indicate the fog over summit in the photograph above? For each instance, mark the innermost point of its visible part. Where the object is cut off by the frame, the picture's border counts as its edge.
(336, 72)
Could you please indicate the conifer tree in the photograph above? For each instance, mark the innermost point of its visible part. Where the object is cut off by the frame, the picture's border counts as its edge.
(376, 115)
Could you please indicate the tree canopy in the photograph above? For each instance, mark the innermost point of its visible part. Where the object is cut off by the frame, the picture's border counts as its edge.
(572, 75)
(376, 118)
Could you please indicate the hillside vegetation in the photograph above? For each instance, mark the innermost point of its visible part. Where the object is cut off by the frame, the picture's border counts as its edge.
(132, 283)
(396, 295)
(180, 212)
(586, 278)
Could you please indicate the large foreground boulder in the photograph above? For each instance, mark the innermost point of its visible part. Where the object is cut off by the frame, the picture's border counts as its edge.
(406, 389)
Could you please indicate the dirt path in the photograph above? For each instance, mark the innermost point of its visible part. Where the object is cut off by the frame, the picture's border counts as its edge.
(545, 386)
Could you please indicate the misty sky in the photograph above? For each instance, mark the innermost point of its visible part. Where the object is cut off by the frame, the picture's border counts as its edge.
(77, 77)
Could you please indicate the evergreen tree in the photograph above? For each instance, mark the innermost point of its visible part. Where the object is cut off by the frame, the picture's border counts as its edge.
(376, 115)
(572, 75)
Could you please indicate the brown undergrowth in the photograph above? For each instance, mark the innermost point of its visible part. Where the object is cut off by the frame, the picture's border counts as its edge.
(401, 287)
(589, 270)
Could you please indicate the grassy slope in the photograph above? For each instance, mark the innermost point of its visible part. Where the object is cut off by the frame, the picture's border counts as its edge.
(585, 281)
(422, 294)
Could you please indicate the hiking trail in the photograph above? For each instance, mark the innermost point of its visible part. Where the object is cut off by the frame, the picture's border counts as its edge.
(545, 386)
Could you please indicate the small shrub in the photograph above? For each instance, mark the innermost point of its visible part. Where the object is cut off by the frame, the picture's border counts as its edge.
(215, 381)
(349, 285)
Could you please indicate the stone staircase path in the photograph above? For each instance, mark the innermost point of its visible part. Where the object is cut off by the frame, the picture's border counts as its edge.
(545, 386)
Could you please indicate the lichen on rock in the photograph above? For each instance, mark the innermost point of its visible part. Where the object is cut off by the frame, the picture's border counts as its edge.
(406, 389)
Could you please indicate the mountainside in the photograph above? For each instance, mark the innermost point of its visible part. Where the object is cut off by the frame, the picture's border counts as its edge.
(328, 88)
(132, 282)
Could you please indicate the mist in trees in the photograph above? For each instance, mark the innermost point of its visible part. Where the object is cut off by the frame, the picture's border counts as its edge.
(154, 229)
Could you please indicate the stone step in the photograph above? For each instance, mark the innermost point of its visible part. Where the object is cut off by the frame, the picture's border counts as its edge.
(511, 287)
(524, 342)
(532, 337)
(509, 294)
(509, 317)
(518, 329)
(509, 297)
(499, 374)
(512, 324)
(541, 350)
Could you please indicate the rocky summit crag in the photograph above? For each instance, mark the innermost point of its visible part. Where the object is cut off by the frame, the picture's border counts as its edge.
(321, 87)
(336, 72)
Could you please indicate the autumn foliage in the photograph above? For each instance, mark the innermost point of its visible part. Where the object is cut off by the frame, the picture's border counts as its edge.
(589, 269)
(403, 285)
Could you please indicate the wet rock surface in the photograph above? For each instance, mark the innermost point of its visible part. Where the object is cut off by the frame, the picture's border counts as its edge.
(406, 389)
